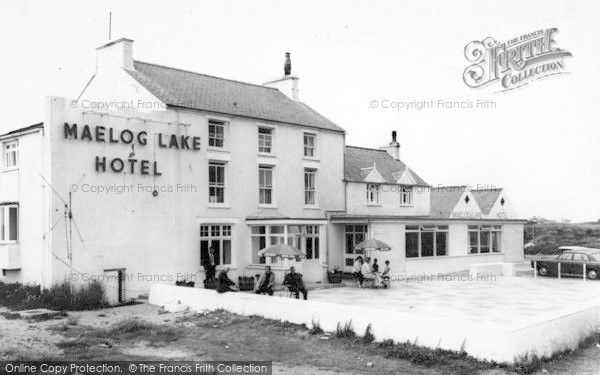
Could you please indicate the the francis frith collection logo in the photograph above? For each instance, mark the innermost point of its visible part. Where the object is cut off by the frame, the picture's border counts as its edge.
(516, 62)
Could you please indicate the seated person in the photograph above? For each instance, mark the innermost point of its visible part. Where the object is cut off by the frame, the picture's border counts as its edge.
(265, 282)
(369, 274)
(224, 283)
(295, 284)
(356, 270)
(375, 266)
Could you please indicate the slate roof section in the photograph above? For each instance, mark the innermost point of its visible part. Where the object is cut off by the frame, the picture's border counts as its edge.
(486, 198)
(356, 159)
(23, 130)
(444, 199)
(185, 89)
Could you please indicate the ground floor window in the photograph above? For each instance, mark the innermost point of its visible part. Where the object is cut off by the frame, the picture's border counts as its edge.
(306, 238)
(218, 237)
(9, 223)
(426, 241)
(484, 239)
(354, 235)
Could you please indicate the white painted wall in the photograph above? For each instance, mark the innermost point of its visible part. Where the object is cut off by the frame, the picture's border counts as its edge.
(25, 186)
(389, 201)
(158, 237)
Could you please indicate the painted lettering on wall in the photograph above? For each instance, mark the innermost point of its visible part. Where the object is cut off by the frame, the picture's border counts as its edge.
(102, 134)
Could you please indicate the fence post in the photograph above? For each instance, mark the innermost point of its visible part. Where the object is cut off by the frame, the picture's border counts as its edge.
(584, 271)
(559, 270)
(535, 269)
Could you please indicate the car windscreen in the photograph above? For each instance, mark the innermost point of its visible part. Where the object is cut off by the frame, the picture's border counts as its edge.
(595, 257)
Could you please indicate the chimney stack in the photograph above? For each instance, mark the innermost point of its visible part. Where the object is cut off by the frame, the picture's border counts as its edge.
(393, 148)
(117, 54)
(288, 83)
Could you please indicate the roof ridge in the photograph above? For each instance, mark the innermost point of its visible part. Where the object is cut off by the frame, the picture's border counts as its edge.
(23, 129)
(449, 186)
(367, 148)
(205, 75)
(487, 189)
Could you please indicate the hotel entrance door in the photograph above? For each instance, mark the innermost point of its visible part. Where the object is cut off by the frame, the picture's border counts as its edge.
(354, 235)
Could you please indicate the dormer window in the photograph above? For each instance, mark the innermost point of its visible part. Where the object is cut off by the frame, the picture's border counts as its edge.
(372, 194)
(406, 196)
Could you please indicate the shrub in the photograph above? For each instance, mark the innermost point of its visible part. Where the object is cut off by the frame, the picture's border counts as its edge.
(316, 328)
(368, 337)
(58, 296)
(344, 331)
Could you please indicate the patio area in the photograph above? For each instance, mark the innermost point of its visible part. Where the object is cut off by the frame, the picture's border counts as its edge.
(505, 319)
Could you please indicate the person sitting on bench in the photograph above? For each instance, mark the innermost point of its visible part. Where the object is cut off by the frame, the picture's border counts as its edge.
(265, 282)
(295, 284)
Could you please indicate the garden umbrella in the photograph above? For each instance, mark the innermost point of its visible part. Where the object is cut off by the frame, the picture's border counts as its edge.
(282, 251)
(372, 245)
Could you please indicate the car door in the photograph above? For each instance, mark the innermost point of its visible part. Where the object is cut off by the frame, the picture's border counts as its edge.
(576, 267)
(565, 263)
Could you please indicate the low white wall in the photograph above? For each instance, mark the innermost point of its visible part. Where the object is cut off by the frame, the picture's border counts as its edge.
(560, 331)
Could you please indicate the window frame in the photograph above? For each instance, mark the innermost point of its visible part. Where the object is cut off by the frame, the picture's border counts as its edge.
(223, 235)
(216, 137)
(270, 188)
(432, 229)
(406, 191)
(308, 147)
(271, 139)
(217, 185)
(5, 224)
(492, 231)
(373, 199)
(6, 150)
(308, 189)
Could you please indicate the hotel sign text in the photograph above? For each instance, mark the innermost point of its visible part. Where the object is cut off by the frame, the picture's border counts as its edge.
(102, 134)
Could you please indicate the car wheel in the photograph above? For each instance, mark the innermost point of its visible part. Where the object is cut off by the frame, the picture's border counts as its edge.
(592, 274)
(543, 271)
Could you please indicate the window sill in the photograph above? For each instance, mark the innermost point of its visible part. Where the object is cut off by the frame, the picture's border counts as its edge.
(407, 205)
(310, 158)
(267, 154)
(312, 207)
(267, 205)
(219, 205)
(451, 256)
(9, 169)
(374, 205)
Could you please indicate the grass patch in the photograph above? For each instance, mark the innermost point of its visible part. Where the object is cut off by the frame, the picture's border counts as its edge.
(63, 296)
(144, 331)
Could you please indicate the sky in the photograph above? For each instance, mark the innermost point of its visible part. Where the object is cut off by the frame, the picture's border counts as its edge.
(541, 143)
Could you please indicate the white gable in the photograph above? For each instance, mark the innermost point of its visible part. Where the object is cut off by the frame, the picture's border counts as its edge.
(406, 178)
(502, 208)
(374, 177)
(466, 208)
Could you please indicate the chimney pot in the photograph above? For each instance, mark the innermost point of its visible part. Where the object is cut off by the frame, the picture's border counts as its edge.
(287, 65)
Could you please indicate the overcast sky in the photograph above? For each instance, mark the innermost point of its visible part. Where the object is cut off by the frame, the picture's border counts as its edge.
(541, 143)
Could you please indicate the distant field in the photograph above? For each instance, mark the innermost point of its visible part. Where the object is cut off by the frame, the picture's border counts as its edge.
(549, 236)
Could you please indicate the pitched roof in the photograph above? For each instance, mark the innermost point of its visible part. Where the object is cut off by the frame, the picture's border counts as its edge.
(181, 88)
(486, 198)
(24, 129)
(358, 159)
(444, 199)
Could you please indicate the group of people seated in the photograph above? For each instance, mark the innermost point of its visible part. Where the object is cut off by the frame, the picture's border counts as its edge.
(363, 270)
(266, 282)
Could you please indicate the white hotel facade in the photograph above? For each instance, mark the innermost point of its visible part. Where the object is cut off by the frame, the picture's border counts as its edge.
(142, 193)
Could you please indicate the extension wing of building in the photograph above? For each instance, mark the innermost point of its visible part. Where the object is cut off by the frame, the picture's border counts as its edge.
(132, 183)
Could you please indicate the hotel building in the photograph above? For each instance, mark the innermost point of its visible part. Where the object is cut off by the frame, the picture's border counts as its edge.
(133, 181)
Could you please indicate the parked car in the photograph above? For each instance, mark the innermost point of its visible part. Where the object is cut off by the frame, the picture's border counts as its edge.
(571, 261)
